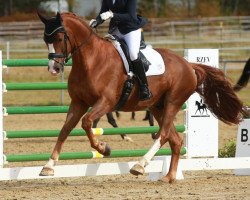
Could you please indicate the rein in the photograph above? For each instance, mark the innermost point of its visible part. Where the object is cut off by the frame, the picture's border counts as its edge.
(74, 50)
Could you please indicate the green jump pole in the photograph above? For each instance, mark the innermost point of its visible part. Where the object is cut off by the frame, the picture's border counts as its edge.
(35, 109)
(36, 86)
(81, 132)
(28, 62)
(86, 155)
(40, 109)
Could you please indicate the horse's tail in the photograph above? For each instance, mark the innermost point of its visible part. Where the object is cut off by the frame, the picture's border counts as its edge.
(218, 94)
(244, 78)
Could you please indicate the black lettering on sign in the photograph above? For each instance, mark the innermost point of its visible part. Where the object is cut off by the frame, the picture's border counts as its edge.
(244, 135)
(202, 59)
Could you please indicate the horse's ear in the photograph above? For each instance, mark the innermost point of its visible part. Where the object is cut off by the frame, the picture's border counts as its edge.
(58, 16)
(42, 18)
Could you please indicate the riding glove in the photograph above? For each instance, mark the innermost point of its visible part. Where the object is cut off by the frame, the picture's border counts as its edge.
(107, 15)
(93, 23)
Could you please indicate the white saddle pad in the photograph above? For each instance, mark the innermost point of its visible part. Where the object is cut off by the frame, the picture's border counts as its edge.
(157, 66)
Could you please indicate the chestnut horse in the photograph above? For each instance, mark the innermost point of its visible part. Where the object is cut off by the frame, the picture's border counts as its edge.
(97, 77)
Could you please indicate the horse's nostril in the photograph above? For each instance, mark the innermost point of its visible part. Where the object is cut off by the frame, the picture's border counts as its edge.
(57, 69)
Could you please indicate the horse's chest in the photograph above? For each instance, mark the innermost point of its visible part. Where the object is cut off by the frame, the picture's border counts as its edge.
(82, 90)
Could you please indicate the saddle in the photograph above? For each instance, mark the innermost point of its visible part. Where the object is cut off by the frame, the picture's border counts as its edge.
(125, 50)
(153, 67)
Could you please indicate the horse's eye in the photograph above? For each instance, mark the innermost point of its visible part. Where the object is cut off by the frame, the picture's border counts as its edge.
(59, 40)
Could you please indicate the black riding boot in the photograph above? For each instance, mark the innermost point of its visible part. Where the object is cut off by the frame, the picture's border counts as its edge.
(138, 69)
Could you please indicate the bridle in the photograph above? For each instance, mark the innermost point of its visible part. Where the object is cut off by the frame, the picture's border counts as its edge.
(50, 37)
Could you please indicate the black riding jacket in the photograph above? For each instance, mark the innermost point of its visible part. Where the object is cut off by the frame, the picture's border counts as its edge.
(125, 16)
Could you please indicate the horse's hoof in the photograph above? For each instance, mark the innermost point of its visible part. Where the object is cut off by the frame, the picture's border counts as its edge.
(168, 179)
(129, 139)
(137, 170)
(153, 135)
(46, 171)
(107, 150)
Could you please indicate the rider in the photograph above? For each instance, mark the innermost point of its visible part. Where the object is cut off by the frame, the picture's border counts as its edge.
(126, 24)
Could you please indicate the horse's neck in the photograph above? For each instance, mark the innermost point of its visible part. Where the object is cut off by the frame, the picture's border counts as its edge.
(82, 41)
(86, 49)
(85, 58)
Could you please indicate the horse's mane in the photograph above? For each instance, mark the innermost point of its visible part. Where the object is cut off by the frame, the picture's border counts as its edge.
(82, 21)
(73, 15)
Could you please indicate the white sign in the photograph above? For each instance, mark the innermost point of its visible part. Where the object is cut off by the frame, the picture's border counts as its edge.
(243, 144)
(202, 130)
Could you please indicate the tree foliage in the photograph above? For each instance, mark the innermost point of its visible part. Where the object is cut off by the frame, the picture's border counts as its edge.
(11, 6)
(193, 8)
(152, 8)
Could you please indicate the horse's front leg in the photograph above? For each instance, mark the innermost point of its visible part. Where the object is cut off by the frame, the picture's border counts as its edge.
(76, 111)
(97, 111)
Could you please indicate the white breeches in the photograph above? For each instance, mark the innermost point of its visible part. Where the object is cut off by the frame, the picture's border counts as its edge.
(133, 40)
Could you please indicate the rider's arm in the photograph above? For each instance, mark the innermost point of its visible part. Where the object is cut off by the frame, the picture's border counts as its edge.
(130, 15)
(104, 8)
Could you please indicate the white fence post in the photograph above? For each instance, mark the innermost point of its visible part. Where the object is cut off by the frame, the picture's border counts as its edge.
(202, 131)
(1, 114)
(8, 50)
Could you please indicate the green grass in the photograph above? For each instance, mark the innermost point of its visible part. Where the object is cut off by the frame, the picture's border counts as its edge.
(228, 150)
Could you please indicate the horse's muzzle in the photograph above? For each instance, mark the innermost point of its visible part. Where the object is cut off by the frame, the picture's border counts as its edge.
(55, 67)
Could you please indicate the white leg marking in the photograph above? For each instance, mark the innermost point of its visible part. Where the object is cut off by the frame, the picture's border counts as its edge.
(51, 164)
(150, 154)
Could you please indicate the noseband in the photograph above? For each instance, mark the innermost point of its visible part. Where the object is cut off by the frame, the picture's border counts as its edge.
(50, 38)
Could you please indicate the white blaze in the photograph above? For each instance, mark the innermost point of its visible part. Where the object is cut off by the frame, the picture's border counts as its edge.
(51, 62)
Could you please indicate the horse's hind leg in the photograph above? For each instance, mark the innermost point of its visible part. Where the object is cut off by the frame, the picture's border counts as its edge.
(138, 169)
(117, 114)
(95, 122)
(175, 142)
(150, 119)
(133, 115)
(112, 121)
(166, 133)
(146, 116)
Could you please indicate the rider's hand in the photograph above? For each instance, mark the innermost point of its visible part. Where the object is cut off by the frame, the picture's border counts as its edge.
(93, 23)
(107, 15)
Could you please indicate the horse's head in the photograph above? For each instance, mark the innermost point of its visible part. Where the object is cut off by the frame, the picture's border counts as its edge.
(57, 40)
